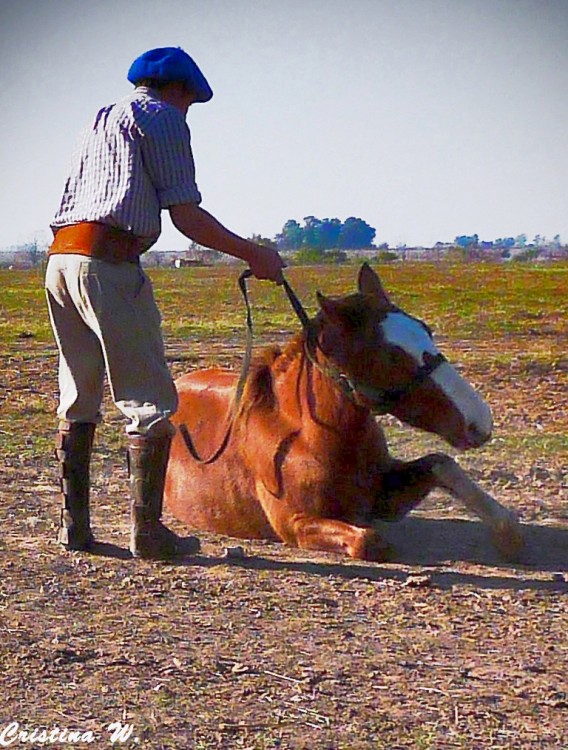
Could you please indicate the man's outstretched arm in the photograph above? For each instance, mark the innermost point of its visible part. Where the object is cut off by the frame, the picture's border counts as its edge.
(203, 228)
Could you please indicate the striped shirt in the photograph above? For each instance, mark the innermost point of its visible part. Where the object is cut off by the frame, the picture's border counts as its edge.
(134, 160)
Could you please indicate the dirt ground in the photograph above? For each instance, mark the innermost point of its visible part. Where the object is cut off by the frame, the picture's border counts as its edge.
(446, 647)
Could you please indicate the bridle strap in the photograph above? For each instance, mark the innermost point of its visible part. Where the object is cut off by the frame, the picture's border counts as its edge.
(386, 399)
(382, 400)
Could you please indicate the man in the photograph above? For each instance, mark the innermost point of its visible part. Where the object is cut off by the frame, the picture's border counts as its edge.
(134, 160)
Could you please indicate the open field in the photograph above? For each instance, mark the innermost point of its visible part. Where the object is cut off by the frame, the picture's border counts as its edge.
(446, 647)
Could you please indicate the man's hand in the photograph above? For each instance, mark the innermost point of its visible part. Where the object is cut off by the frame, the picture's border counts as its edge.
(203, 228)
(266, 263)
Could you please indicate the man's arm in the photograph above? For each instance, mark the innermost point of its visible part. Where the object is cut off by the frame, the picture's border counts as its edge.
(203, 228)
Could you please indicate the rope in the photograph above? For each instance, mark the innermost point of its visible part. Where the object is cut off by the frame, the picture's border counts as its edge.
(245, 367)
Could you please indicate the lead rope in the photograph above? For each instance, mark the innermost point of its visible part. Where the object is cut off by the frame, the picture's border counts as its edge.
(245, 367)
(382, 399)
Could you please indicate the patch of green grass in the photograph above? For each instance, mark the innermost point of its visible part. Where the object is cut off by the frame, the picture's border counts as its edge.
(531, 442)
(474, 301)
(425, 739)
(493, 317)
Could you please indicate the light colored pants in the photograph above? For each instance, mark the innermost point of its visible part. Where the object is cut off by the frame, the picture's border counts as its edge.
(104, 317)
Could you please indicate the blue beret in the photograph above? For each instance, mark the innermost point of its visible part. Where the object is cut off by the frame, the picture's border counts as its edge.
(171, 64)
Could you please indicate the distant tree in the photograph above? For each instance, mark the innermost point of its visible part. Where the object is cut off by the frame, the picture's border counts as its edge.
(521, 240)
(327, 233)
(291, 237)
(467, 241)
(356, 233)
(311, 229)
(32, 252)
(505, 243)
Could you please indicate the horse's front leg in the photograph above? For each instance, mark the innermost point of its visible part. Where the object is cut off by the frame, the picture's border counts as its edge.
(503, 522)
(332, 535)
(406, 484)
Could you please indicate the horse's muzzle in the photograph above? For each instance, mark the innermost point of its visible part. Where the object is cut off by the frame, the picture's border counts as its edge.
(475, 436)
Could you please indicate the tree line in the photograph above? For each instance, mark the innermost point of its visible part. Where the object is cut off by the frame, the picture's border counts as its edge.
(472, 241)
(325, 234)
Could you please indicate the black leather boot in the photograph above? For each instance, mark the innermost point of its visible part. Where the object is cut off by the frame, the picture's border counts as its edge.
(149, 538)
(73, 449)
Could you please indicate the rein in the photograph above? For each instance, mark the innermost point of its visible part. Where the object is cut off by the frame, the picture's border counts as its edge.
(240, 384)
(306, 325)
(382, 399)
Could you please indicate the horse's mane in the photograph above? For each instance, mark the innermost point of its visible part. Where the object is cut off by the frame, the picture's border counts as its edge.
(294, 348)
(270, 362)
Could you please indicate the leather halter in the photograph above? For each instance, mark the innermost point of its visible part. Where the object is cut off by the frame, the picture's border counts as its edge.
(383, 400)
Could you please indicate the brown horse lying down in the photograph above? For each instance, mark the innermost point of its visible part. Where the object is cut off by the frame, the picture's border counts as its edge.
(306, 461)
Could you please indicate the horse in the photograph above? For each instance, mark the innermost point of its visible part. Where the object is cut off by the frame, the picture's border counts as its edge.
(305, 460)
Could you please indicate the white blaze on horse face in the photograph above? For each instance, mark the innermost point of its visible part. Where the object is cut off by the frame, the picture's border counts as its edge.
(408, 334)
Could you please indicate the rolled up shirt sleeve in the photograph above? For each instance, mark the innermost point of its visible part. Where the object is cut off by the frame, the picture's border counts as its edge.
(168, 160)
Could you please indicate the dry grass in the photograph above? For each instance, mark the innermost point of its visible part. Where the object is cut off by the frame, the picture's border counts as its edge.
(448, 647)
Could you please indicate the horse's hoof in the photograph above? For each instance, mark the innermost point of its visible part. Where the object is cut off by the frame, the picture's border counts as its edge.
(375, 549)
(508, 537)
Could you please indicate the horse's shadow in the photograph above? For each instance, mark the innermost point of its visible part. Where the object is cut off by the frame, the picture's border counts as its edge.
(421, 540)
(432, 546)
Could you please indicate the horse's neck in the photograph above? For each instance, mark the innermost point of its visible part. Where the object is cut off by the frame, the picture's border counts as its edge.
(312, 399)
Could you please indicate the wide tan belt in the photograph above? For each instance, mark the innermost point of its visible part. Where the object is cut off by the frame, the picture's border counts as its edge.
(99, 241)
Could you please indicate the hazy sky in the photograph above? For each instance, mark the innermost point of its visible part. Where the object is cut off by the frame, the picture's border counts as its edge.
(426, 118)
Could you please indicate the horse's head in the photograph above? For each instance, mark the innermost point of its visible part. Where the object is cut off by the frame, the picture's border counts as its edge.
(391, 364)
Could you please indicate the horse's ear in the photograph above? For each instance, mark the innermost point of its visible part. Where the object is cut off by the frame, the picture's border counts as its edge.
(330, 309)
(370, 284)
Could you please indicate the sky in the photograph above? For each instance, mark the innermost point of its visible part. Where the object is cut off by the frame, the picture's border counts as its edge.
(425, 118)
